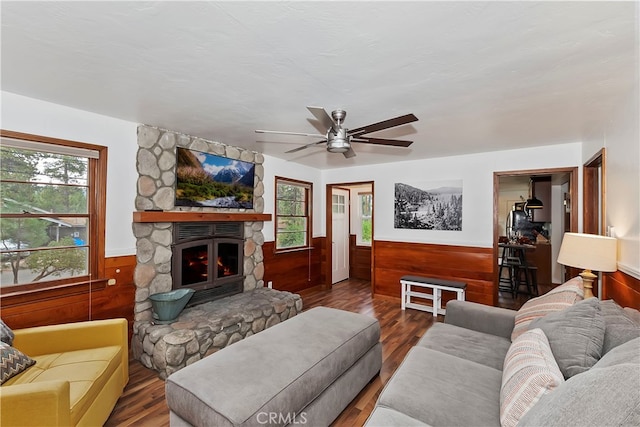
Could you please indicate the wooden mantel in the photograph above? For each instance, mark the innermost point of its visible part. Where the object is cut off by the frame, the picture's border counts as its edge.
(188, 216)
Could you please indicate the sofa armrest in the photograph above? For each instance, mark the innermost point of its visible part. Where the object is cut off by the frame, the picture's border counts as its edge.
(482, 318)
(35, 404)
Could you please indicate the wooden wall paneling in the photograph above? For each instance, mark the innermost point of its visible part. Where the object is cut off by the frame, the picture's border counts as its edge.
(622, 288)
(121, 296)
(359, 260)
(93, 302)
(293, 270)
(463, 263)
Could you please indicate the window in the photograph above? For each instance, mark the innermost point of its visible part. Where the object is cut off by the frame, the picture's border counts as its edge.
(293, 213)
(338, 202)
(365, 208)
(52, 202)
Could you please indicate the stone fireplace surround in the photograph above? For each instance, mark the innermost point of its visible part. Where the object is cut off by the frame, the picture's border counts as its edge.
(156, 161)
(204, 328)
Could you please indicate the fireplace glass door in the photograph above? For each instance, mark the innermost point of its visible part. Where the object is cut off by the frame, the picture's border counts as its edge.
(228, 255)
(195, 263)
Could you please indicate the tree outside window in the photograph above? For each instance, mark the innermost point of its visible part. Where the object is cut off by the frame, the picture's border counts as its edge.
(293, 207)
(365, 209)
(47, 226)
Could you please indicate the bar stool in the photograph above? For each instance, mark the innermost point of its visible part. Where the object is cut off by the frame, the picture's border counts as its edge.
(531, 281)
(512, 261)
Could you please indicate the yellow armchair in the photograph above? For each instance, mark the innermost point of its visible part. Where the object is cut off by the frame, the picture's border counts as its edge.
(80, 372)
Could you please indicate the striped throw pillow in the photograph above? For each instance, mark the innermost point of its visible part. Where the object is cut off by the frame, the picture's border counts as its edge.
(530, 371)
(557, 299)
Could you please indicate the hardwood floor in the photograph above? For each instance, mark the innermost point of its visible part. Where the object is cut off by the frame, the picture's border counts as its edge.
(143, 403)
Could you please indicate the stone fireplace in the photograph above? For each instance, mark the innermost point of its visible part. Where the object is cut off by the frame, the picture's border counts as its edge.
(216, 251)
(156, 240)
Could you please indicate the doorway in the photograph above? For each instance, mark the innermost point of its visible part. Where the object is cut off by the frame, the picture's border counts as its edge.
(349, 252)
(559, 188)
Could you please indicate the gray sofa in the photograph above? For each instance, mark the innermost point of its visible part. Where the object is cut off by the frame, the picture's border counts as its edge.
(454, 375)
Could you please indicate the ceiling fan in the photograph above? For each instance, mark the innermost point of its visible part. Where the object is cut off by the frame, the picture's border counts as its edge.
(338, 139)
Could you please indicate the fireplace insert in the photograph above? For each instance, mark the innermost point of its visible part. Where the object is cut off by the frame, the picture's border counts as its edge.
(208, 257)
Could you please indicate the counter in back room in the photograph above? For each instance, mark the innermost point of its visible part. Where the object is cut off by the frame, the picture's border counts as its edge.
(540, 257)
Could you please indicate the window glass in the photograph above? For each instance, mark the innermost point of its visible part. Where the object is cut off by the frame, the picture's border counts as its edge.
(292, 214)
(365, 209)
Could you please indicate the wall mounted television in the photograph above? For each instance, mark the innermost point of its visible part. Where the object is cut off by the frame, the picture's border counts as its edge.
(208, 180)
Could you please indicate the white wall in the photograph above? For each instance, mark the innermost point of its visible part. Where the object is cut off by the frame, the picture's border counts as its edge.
(277, 167)
(476, 172)
(28, 115)
(623, 182)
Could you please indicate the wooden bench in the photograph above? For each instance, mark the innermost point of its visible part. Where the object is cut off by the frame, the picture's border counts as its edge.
(436, 286)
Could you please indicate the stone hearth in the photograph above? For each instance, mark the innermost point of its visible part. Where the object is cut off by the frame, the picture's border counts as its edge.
(206, 328)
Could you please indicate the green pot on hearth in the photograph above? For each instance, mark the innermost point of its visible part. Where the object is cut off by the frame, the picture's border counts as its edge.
(168, 305)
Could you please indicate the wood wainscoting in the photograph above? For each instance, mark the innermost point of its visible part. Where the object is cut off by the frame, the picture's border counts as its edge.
(622, 288)
(296, 269)
(359, 260)
(472, 265)
(92, 303)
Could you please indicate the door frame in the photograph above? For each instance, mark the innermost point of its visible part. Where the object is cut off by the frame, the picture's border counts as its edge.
(573, 192)
(329, 229)
(592, 193)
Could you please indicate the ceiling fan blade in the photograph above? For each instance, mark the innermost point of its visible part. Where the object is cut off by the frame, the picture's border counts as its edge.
(305, 146)
(315, 135)
(323, 117)
(349, 153)
(382, 141)
(385, 124)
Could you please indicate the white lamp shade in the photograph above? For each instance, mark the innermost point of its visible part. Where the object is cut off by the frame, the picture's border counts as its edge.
(588, 251)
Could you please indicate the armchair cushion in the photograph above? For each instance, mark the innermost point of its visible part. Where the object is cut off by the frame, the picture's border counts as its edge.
(12, 362)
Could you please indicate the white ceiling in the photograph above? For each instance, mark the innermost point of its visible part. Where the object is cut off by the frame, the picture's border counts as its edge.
(480, 76)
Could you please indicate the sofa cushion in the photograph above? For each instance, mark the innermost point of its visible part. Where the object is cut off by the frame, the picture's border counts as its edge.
(628, 352)
(575, 335)
(557, 299)
(443, 390)
(479, 347)
(87, 372)
(621, 324)
(385, 417)
(12, 362)
(530, 371)
(6, 334)
(598, 397)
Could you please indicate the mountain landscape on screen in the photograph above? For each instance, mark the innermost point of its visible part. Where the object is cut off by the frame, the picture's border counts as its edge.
(208, 180)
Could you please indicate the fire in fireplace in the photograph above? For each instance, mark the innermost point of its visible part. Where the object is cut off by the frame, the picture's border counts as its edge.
(208, 257)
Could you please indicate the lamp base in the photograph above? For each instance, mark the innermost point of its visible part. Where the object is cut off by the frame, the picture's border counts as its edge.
(587, 278)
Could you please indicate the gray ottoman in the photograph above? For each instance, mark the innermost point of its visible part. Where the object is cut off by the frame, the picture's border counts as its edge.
(305, 370)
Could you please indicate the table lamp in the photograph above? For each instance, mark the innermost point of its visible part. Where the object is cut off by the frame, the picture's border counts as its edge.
(590, 252)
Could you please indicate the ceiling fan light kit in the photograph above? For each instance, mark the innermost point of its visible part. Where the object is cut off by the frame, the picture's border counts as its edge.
(339, 139)
(338, 143)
